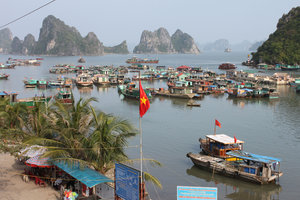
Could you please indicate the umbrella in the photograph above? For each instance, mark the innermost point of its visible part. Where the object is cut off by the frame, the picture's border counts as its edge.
(37, 161)
(32, 151)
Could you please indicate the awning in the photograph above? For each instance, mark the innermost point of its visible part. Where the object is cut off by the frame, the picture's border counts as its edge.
(37, 161)
(32, 151)
(224, 139)
(253, 157)
(87, 176)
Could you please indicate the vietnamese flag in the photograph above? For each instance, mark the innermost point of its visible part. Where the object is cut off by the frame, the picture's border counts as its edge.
(144, 101)
(217, 123)
(234, 139)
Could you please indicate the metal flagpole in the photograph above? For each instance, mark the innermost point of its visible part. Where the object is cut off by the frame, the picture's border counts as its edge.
(141, 138)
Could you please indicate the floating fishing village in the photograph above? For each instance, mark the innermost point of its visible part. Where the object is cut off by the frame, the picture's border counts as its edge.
(170, 117)
(220, 153)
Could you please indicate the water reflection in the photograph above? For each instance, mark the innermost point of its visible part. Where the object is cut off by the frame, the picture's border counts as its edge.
(85, 90)
(241, 102)
(102, 89)
(237, 189)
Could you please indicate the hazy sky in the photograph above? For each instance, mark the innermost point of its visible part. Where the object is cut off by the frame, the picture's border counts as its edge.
(116, 20)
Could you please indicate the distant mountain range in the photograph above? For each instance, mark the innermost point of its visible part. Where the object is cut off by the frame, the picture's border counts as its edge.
(222, 44)
(57, 38)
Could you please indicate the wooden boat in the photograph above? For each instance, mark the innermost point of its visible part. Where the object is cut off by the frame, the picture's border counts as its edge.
(4, 76)
(30, 83)
(130, 91)
(30, 102)
(84, 80)
(167, 93)
(42, 84)
(101, 80)
(290, 67)
(227, 66)
(218, 145)
(64, 97)
(7, 66)
(193, 104)
(247, 166)
(135, 60)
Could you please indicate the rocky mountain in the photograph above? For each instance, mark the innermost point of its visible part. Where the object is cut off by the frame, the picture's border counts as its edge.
(57, 38)
(119, 49)
(159, 42)
(16, 46)
(184, 43)
(155, 42)
(6, 38)
(282, 46)
(255, 46)
(218, 45)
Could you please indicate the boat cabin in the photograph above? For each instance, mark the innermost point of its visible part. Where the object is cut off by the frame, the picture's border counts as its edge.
(219, 145)
(263, 168)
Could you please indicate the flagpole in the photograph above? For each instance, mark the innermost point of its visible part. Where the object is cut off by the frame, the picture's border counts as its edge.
(215, 128)
(141, 138)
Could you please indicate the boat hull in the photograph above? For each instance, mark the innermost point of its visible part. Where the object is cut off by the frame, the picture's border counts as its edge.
(219, 166)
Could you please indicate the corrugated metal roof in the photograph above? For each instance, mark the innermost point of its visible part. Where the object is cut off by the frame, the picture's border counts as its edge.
(87, 176)
(224, 139)
(253, 157)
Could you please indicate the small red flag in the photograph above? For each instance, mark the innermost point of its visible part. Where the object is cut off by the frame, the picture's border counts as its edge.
(234, 139)
(144, 101)
(217, 123)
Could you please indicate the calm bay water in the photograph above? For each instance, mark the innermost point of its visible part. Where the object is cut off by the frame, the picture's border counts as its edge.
(171, 129)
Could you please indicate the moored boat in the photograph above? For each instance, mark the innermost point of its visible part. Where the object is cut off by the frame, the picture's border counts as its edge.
(101, 80)
(290, 67)
(130, 91)
(30, 83)
(218, 145)
(31, 101)
(135, 60)
(64, 97)
(247, 166)
(227, 66)
(4, 76)
(84, 80)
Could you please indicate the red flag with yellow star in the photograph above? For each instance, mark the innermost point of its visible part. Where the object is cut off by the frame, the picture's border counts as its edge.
(144, 101)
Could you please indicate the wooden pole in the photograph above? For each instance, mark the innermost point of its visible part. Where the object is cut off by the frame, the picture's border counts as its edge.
(215, 129)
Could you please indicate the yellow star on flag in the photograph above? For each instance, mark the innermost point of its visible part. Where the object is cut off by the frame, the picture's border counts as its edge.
(143, 100)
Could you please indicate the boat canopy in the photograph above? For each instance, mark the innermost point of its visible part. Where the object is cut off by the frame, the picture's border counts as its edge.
(224, 139)
(87, 176)
(253, 157)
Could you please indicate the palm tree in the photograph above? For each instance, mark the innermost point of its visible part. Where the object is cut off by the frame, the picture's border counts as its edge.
(82, 135)
(12, 114)
(108, 140)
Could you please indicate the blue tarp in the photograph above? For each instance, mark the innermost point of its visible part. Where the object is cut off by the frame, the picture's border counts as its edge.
(86, 175)
(253, 157)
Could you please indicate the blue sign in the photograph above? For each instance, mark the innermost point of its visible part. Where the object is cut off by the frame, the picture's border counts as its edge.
(203, 193)
(127, 182)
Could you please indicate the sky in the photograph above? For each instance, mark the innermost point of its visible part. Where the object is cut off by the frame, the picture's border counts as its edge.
(116, 20)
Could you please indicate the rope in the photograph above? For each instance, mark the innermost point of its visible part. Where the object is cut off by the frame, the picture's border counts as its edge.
(27, 14)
